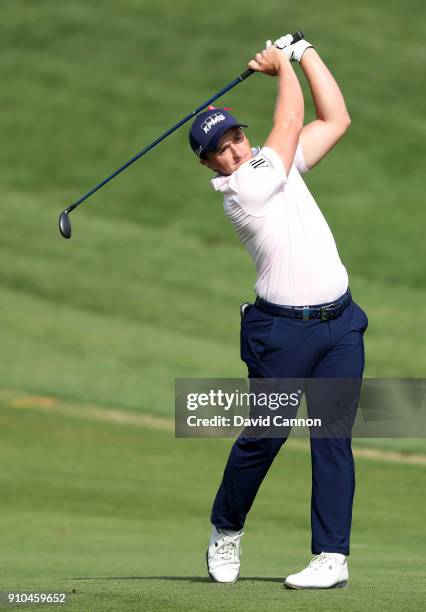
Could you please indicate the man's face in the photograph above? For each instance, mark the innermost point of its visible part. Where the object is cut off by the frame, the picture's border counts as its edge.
(233, 150)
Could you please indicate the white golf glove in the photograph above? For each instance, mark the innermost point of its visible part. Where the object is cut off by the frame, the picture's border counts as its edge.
(293, 52)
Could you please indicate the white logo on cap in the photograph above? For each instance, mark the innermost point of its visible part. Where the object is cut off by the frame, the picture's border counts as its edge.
(211, 121)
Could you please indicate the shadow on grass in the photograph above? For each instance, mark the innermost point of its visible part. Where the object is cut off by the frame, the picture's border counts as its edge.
(183, 578)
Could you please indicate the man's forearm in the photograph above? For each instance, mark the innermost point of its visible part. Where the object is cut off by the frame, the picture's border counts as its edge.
(288, 115)
(328, 99)
(289, 106)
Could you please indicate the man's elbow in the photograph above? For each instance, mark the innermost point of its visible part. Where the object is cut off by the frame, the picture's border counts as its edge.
(340, 126)
(344, 123)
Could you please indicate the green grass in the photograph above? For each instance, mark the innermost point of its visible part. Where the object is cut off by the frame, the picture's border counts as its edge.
(149, 287)
(107, 328)
(117, 517)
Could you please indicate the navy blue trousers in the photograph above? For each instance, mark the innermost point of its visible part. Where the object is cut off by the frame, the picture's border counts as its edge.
(279, 347)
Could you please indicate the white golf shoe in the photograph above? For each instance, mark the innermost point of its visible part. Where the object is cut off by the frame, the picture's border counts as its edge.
(326, 571)
(223, 556)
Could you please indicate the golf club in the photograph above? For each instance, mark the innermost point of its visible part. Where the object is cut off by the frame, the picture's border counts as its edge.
(64, 220)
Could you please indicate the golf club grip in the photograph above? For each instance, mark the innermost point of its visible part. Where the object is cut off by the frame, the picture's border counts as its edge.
(296, 37)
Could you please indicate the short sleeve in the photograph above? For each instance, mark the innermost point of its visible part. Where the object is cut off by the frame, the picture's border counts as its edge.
(299, 160)
(258, 180)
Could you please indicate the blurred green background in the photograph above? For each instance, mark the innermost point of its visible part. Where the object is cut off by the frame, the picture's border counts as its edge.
(149, 287)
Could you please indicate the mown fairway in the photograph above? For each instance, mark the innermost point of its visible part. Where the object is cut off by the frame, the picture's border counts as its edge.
(148, 290)
(116, 515)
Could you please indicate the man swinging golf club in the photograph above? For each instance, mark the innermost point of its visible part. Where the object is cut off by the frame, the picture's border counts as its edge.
(304, 323)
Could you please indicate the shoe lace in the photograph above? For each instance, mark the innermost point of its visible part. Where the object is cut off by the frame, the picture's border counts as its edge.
(227, 547)
(320, 560)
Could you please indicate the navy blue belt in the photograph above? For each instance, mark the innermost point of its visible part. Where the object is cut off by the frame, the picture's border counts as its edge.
(324, 312)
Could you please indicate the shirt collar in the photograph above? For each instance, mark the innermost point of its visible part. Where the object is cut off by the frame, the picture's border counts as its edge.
(220, 181)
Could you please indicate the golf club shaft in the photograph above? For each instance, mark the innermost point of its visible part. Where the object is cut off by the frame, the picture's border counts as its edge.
(297, 36)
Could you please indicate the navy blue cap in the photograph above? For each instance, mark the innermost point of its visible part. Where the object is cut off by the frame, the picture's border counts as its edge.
(208, 127)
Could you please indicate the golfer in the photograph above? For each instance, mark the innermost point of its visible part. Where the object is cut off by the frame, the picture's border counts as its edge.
(304, 323)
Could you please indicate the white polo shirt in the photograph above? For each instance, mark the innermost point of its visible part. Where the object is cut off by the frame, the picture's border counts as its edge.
(281, 226)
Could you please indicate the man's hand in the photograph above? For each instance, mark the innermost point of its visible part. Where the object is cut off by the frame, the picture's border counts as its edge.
(268, 61)
(293, 52)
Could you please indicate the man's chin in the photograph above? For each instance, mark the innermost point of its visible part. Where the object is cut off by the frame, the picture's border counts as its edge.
(240, 163)
(235, 167)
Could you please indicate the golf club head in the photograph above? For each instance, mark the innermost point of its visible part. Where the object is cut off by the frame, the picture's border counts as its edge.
(65, 225)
